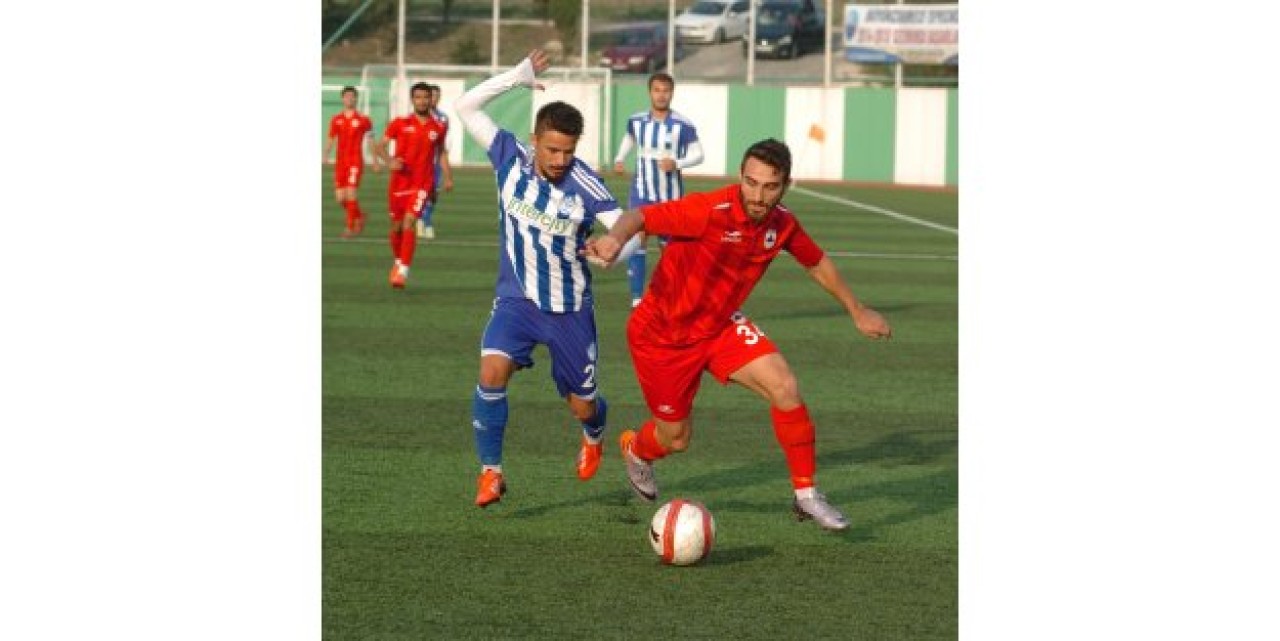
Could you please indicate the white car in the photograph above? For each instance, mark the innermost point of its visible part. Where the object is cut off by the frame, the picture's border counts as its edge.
(713, 21)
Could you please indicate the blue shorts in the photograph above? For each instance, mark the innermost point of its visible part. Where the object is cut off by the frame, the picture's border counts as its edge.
(516, 326)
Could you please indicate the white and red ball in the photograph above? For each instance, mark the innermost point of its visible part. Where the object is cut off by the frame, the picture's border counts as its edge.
(682, 532)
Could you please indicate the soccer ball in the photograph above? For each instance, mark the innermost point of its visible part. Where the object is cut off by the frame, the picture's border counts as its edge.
(682, 532)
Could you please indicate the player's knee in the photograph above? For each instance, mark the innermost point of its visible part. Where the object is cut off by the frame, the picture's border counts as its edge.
(785, 391)
(492, 375)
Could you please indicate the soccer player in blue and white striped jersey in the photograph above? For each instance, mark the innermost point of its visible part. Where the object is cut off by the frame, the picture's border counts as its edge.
(665, 143)
(548, 201)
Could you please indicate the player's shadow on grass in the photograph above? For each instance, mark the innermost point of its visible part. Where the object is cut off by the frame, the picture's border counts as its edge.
(927, 495)
(619, 498)
(737, 554)
(924, 496)
(894, 449)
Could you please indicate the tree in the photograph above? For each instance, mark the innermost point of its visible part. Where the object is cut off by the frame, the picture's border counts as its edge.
(544, 9)
(466, 51)
(567, 15)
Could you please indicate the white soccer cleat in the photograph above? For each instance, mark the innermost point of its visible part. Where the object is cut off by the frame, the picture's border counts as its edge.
(639, 472)
(429, 232)
(823, 513)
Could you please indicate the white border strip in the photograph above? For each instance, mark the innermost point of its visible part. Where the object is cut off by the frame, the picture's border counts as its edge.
(873, 208)
(490, 244)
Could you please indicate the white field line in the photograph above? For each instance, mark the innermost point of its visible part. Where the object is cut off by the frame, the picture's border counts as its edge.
(873, 208)
(494, 244)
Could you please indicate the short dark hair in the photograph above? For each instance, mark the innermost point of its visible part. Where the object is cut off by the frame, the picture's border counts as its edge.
(663, 77)
(559, 116)
(772, 152)
(420, 85)
(349, 88)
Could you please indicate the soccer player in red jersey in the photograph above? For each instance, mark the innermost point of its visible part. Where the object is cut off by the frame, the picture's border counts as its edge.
(443, 171)
(417, 137)
(721, 244)
(347, 130)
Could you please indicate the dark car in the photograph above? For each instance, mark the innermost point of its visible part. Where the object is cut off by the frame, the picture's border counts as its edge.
(787, 29)
(638, 48)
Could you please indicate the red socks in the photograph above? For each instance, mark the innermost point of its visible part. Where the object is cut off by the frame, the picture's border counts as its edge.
(795, 434)
(793, 429)
(353, 215)
(394, 239)
(408, 243)
(646, 445)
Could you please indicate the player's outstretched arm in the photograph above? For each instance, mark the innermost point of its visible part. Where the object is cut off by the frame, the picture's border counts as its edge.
(380, 154)
(619, 243)
(446, 170)
(610, 220)
(867, 320)
(470, 105)
(628, 143)
(370, 144)
(693, 156)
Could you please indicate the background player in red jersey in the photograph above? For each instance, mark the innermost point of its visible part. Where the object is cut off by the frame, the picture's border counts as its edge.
(721, 244)
(417, 137)
(443, 171)
(348, 130)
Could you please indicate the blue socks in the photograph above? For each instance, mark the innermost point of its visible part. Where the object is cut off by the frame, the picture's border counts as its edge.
(635, 273)
(489, 419)
(426, 213)
(594, 426)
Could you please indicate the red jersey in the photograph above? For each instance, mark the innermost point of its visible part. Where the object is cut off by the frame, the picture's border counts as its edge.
(349, 129)
(416, 145)
(714, 258)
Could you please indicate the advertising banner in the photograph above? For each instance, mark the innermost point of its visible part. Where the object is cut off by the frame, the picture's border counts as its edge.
(891, 33)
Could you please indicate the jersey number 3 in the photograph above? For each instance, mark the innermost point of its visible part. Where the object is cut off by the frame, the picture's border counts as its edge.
(749, 332)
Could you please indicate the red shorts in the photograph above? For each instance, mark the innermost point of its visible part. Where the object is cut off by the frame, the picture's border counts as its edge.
(345, 176)
(670, 376)
(404, 198)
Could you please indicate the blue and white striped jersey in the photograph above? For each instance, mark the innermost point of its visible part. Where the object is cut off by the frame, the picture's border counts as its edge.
(655, 140)
(543, 226)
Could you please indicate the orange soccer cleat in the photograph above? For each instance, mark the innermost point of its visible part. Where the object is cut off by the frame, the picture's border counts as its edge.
(397, 277)
(588, 459)
(490, 488)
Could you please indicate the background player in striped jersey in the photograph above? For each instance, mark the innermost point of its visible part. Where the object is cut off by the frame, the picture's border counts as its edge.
(721, 244)
(349, 129)
(442, 172)
(548, 201)
(417, 136)
(665, 143)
